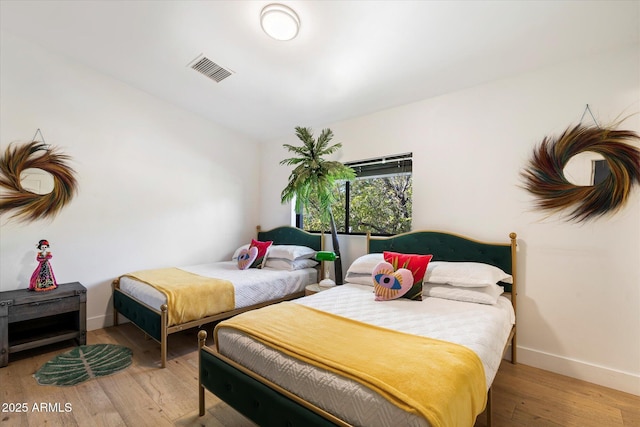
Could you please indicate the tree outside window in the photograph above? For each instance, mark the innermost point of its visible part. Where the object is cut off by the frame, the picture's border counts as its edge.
(377, 201)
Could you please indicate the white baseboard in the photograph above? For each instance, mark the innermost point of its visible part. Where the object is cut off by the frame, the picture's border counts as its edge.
(99, 322)
(601, 375)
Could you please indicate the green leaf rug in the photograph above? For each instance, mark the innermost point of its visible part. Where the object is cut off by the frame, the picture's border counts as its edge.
(83, 363)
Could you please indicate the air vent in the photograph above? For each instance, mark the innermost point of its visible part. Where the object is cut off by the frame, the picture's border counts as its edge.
(205, 66)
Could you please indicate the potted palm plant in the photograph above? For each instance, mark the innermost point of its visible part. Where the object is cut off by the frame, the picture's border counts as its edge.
(314, 175)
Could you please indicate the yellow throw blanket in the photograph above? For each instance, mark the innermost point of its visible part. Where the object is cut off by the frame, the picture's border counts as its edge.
(189, 296)
(440, 381)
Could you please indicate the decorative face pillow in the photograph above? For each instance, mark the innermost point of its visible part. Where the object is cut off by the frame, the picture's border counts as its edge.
(234, 257)
(417, 264)
(389, 283)
(246, 257)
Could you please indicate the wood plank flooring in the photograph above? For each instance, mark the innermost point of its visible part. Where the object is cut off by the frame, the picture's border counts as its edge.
(144, 395)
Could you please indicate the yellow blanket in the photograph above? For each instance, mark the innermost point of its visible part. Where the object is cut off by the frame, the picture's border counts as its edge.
(189, 296)
(440, 381)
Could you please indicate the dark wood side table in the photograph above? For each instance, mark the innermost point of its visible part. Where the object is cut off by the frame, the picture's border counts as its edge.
(30, 319)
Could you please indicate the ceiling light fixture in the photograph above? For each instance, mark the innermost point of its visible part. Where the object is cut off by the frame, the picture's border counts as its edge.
(279, 21)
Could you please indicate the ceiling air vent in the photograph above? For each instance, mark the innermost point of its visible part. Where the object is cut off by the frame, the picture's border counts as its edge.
(205, 66)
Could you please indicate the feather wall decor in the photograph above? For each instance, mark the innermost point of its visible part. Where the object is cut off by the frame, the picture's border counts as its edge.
(30, 206)
(544, 176)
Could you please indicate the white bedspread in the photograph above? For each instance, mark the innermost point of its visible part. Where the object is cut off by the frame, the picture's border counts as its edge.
(482, 328)
(252, 286)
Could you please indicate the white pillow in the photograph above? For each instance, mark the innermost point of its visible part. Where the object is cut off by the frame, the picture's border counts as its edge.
(359, 279)
(237, 252)
(465, 274)
(290, 252)
(485, 295)
(285, 264)
(365, 264)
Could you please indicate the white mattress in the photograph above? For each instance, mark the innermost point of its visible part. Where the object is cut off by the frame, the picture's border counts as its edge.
(252, 286)
(482, 328)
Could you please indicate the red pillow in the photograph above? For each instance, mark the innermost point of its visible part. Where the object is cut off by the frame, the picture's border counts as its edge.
(263, 247)
(417, 264)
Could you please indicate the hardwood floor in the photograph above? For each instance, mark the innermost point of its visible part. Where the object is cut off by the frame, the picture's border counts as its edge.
(144, 395)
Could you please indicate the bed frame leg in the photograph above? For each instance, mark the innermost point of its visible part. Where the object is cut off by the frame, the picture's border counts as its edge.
(489, 409)
(163, 335)
(514, 292)
(202, 337)
(115, 285)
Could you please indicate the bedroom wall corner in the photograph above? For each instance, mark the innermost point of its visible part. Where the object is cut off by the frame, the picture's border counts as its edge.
(158, 186)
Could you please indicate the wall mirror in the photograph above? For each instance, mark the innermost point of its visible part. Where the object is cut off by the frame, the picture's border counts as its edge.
(585, 173)
(586, 169)
(36, 181)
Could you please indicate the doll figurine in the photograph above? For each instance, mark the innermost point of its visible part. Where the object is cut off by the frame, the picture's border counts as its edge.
(42, 278)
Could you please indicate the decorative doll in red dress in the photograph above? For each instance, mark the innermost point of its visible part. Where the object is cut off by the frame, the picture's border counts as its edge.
(42, 278)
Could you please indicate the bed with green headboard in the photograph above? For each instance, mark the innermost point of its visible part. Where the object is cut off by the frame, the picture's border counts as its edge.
(269, 396)
(151, 315)
(449, 247)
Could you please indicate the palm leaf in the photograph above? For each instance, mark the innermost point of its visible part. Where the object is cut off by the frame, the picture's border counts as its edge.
(83, 363)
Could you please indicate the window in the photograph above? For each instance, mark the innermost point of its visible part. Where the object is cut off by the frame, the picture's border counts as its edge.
(378, 200)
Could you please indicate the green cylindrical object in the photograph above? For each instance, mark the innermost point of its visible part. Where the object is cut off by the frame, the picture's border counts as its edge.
(325, 256)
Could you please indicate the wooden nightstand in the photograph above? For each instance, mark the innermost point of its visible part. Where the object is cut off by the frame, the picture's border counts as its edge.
(31, 319)
(314, 289)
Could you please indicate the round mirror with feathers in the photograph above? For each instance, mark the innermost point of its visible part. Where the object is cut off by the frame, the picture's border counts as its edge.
(545, 175)
(35, 180)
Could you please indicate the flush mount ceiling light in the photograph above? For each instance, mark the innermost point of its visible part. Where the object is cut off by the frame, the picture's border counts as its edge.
(279, 21)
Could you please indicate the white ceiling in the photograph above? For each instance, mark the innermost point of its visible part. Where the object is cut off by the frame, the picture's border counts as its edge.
(350, 57)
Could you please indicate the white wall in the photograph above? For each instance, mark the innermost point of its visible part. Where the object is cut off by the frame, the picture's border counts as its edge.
(579, 284)
(158, 186)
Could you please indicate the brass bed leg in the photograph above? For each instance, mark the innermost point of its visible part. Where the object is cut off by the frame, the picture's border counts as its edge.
(489, 410)
(202, 337)
(163, 335)
(115, 285)
(514, 291)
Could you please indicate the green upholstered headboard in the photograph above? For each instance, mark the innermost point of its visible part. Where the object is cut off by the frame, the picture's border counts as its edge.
(287, 235)
(449, 247)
